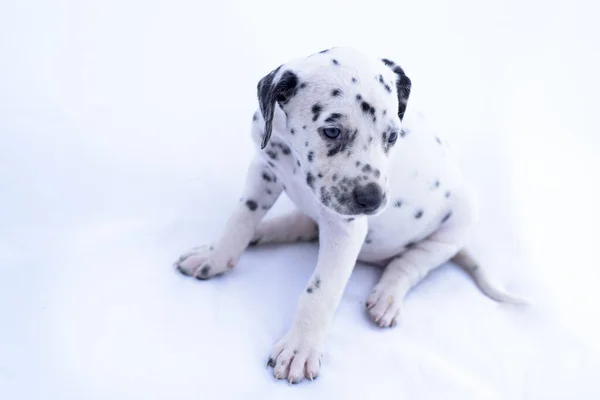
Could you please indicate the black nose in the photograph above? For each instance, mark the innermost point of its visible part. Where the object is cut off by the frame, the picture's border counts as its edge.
(368, 197)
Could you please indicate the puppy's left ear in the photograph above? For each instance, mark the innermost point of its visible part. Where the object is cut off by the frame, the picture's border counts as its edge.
(403, 85)
(277, 87)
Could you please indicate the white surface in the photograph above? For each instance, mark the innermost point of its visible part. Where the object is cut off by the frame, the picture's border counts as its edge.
(123, 141)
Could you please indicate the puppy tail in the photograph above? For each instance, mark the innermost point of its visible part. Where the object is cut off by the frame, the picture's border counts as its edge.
(464, 260)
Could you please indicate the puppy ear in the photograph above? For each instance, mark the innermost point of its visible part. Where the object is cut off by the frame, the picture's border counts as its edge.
(274, 87)
(403, 85)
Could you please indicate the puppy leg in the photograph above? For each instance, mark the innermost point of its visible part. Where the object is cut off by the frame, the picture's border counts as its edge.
(293, 227)
(298, 353)
(260, 193)
(409, 268)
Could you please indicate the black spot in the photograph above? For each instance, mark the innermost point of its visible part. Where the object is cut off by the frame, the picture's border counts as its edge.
(446, 217)
(265, 207)
(317, 282)
(409, 245)
(270, 163)
(335, 62)
(255, 116)
(309, 290)
(302, 85)
(310, 156)
(419, 214)
(304, 127)
(298, 162)
(447, 194)
(251, 204)
(402, 133)
(370, 139)
(436, 184)
(367, 108)
(345, 140)
(385, 85)
(325, 196)
(269, 192)
(292, 131)
(333, 117)
(324, 51)
(368, 241)
(387, 62)
(366, 168)
(350, 219)
(334, 177)
(398, 203)
(358, 97)
(376, 173)
(437, 139)
(353, 80)
(254, 242)
(316, 110)
(272, 154)
(358, 163)
(336, 92)
(319, 175)
(310, 180)
(204, 272)
(266, 177)
(306, 144)
(285, 149)
(384, 112)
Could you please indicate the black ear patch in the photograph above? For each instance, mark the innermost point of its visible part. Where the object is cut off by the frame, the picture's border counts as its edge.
(270, 91)
(403, 85)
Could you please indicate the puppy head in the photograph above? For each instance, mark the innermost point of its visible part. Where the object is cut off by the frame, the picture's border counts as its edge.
(343, 113)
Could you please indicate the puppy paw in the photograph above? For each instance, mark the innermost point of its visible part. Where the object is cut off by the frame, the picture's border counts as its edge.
(203, 263)
(385, 305)
(295, 358)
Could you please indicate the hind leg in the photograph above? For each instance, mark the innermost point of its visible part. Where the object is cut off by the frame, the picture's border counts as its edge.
(409, 268)
(292, 227)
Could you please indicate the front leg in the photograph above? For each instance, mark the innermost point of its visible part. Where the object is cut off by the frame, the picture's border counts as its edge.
(261, 190)
(298, 353)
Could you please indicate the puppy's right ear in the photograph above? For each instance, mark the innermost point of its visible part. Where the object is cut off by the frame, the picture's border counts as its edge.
(277, 87)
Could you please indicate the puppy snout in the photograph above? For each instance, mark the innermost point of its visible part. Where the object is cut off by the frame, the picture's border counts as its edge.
(368, 197)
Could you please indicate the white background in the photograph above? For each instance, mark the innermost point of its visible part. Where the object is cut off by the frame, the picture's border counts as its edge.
(124, 139)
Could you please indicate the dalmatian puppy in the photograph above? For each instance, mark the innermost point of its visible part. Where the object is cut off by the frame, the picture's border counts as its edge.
(372, 182)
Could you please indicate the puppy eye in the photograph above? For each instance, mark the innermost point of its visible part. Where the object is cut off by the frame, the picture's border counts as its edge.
(331, 132)
(393, 136)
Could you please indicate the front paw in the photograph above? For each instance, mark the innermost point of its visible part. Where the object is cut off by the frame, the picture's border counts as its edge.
(385, 305)
(295, 357)
(203, 263)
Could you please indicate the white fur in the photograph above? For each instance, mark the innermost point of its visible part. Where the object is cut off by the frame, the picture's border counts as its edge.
(421, 182)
